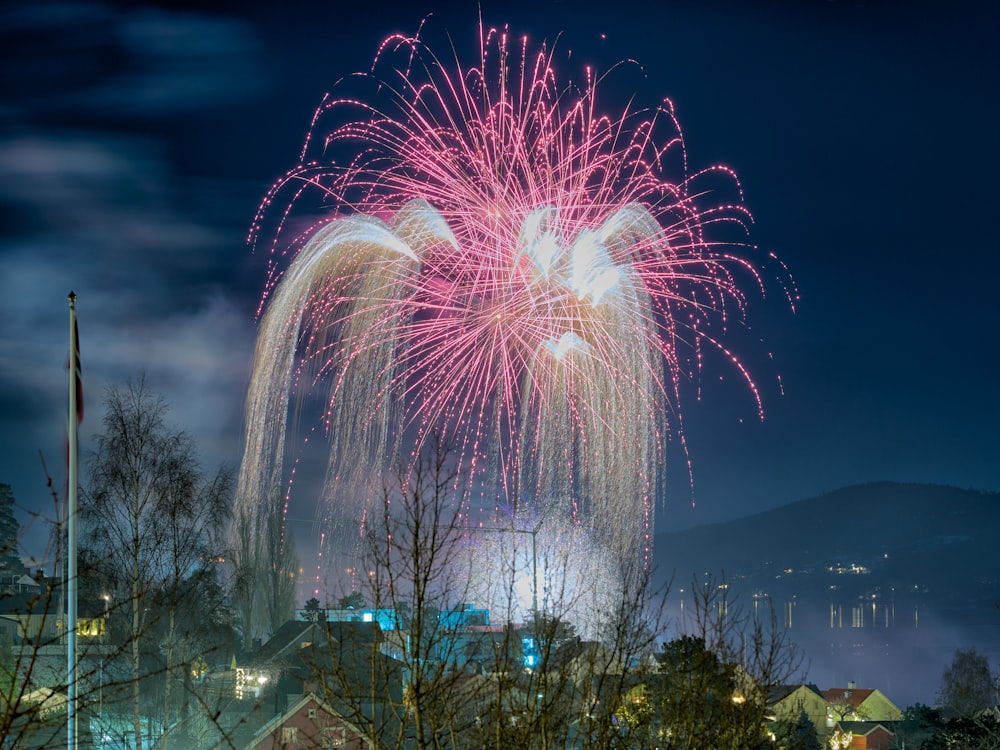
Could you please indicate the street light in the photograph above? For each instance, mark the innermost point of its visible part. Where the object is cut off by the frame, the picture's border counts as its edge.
(534, 553)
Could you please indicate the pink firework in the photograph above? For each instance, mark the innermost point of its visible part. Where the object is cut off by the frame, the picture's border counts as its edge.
(502, 262)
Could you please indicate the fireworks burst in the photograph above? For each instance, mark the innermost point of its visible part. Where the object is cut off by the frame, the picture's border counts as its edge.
(503, 263)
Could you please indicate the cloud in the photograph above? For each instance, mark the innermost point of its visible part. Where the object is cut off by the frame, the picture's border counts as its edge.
(152, 255)
(180, 61)
(198, 359)
(103, 216)
(105, 60)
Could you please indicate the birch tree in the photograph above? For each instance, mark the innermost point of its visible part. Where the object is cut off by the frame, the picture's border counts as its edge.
(151, 515)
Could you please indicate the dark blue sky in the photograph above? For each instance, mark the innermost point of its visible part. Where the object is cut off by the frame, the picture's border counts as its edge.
(136, 141)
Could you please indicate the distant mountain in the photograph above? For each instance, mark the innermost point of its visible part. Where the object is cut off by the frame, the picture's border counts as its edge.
(880, 582)
(903, 534)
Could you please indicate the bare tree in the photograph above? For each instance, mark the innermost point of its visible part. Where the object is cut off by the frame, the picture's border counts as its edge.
(263, 570)
(32, 684)
(279, 565)
(194, 517)
(401, 686)
(245, 572)
(413, 553)
(428, 682)
(569, 690)
(535, 684)
(33, 667)
(152, 517)
(713, 680)
(967, 686)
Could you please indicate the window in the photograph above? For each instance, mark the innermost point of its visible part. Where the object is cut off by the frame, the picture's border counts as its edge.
(289, 735)
(334, 737)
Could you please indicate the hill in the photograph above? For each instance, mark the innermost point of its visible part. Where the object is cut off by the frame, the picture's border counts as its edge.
(877, 582)
(902, 534)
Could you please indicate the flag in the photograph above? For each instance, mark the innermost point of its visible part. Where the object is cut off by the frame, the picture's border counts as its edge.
(77, 371)
(74, 368)
(73, 360)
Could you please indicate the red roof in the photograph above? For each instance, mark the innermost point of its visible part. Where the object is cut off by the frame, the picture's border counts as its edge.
(847, 696)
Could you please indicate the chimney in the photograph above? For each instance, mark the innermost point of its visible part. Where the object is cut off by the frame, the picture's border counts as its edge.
(852, 685)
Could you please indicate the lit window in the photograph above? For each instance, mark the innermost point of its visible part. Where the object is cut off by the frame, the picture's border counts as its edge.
(289, 735)
(334, 737)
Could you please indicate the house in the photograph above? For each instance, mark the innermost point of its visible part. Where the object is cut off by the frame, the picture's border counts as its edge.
(256, 697)
(33, 611)
(583, 676)
(340, 661)
(787, 702)
(580, 660)
(341, 657)
(37, 719)
(297, 643)
(309, 723)
(475, 703)
(859, 704)
(20, 583)
(387, 618)
(31, 617)
(463, 617)
(459, 635)
(865, 735)
(296, 635)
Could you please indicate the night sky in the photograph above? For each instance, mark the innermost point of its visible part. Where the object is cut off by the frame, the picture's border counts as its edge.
(136, 141)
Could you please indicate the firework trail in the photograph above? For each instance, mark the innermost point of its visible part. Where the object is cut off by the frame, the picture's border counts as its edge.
(502, 263)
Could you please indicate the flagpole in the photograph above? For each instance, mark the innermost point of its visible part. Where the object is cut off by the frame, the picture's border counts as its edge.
(74, 374)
